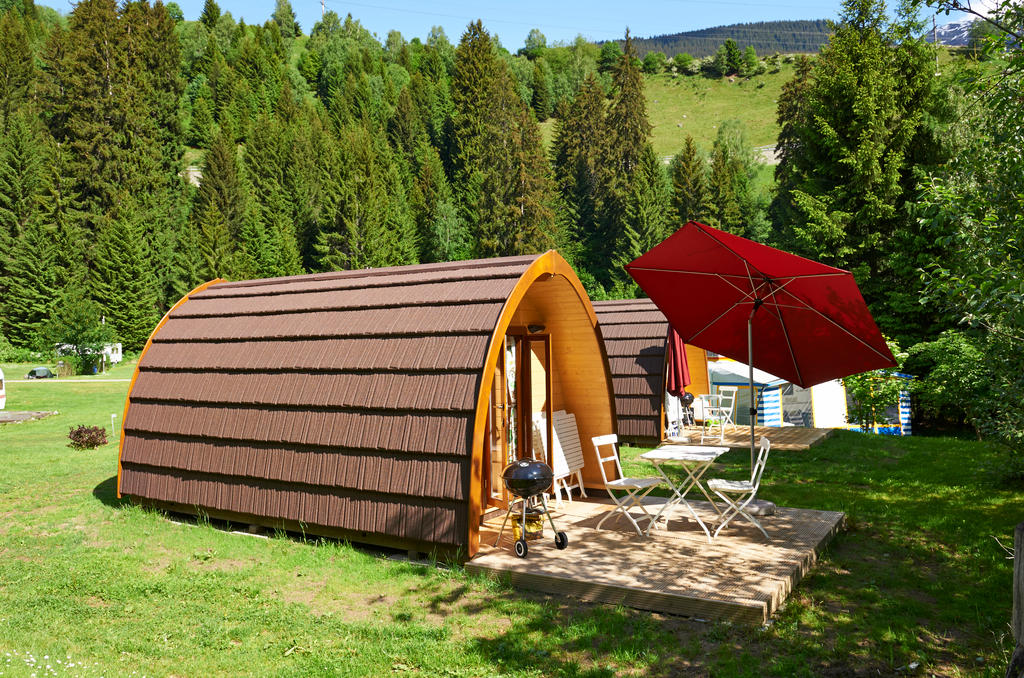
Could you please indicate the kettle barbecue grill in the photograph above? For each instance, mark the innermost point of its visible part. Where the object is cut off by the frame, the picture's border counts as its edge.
(527, 479)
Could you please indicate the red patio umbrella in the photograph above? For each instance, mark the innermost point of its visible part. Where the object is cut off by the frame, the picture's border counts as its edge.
(798, 319)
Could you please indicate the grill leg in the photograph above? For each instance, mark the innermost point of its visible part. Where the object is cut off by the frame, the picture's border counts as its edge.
(504, 522)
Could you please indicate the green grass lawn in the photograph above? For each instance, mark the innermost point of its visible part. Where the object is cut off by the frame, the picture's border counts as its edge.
(91, 586)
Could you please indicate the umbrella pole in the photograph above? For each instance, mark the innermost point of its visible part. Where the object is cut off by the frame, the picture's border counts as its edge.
(750, 367)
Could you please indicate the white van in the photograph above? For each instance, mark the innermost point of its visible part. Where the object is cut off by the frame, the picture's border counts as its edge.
(3, 391)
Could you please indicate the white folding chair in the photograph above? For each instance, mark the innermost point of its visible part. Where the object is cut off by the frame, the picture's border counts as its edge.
(633, 489)
(737, 494)
(727, 403)
(718, 410)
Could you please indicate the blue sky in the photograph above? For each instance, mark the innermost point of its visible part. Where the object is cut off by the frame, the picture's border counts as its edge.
(557, 19)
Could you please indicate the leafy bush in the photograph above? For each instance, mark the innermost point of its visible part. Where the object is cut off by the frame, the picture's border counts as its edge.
(12, 354)
(872, 393)
(87, 437)
(953, 385)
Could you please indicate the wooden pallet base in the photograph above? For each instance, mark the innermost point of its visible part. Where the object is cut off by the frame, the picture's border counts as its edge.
(739, 577)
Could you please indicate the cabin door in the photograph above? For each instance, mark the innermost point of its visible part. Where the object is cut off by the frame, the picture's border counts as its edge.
(519, 417)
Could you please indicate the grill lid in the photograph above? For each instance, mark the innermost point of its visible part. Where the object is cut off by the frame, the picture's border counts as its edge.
(527, 477)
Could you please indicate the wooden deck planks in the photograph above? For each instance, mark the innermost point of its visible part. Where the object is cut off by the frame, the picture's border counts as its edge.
(783, 438)
(739, 577)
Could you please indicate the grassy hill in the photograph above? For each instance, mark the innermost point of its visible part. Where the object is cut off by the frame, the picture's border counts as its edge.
(695, 105)
(679, 105)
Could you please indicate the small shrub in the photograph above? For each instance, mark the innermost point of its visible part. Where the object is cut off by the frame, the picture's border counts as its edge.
(87, 437)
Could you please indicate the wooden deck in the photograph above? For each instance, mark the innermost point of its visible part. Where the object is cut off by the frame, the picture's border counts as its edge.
(740, 577)
(783, 438)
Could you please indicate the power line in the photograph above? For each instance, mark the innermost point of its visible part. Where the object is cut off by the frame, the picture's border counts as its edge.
(617, 34)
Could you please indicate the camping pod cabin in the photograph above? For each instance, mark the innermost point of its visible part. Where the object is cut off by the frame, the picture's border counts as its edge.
(379, 405)
(635, 332)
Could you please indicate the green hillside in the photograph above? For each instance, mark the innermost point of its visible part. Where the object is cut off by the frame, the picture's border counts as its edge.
(678, 105)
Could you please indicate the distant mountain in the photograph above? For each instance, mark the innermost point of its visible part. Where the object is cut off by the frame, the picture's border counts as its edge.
(954, 34)
(765, 36)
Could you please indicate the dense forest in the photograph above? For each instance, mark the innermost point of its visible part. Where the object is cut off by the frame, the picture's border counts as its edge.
(313, 153)
(767, 37)
(333, 151)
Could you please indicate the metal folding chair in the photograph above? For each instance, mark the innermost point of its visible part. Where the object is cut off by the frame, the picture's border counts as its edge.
(744, 491)
(633, 490)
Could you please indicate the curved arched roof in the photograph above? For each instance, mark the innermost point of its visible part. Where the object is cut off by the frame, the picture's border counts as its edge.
(342, 399)
(634, 332)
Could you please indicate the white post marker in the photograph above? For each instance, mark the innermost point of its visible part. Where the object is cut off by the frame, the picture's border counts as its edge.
(112, 429)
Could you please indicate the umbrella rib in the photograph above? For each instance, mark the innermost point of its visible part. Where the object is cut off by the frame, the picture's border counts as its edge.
(785, 333)
(733, 275)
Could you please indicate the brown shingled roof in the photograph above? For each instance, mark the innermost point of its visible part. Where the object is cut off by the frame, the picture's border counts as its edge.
(344, 400)
(634, 332)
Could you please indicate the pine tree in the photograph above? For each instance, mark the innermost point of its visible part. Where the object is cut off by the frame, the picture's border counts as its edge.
(22, 159)
(122, 280)
(501, 177)
(627, 141)
(221, 186)
(31, 286)
(215, 247)
(210, 14)
(16, 66)
(690, 197)
(579, 139)
(541, 101)
(442, 235)
(725, 207)
(373, 225)
(284, 17)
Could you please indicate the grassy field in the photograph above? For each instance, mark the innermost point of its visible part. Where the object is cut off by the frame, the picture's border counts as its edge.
(91, 586)
(695, 105)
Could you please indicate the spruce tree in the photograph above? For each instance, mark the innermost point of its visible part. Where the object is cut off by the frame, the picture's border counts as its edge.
(31, 286)
(221, 185)
(122, 280)
(87, 101)
(284, 17)
(210, 14)
(266, 157)
(690, 197)
(848, 188)
(16, 66)
(644, 220)
(628, 134)
(579, 139)
(373, 225)
(22, 162)
(541, 100)
(215, 247)
(501, 177)
(442, 235)
(725, 207)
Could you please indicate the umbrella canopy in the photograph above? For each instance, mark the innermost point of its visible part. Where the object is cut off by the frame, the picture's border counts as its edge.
(677, 373)
(809, 321)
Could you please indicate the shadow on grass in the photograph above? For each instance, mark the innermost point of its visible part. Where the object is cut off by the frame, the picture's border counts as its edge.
(106, 492)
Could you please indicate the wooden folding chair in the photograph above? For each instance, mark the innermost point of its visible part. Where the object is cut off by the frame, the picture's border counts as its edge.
(633, 490)
(744, 491)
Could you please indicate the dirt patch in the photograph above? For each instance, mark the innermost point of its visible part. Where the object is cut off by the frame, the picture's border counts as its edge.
(16, 417)
(219, 564)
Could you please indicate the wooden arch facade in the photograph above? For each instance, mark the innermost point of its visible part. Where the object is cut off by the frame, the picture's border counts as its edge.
(359, 404)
